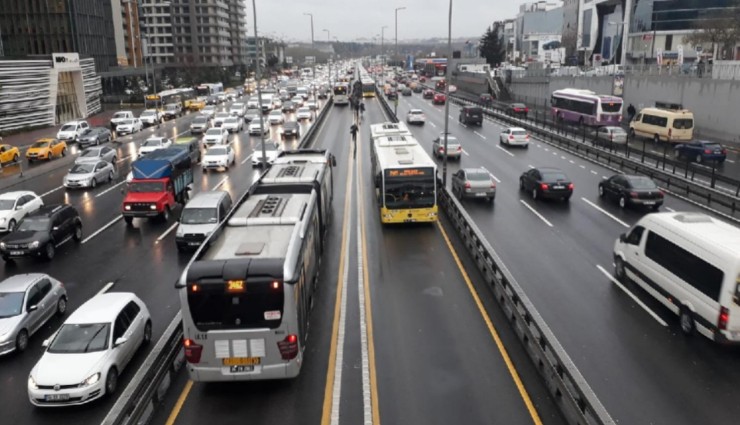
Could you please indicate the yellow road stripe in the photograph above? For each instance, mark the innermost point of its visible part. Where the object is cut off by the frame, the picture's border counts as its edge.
(368, 307)
(329, 389)
(494, 333)
(180, 402)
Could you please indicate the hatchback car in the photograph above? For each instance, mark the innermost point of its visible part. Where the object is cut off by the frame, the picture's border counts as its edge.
(154, 143)
(275, 117)
(84, 359)
(129, 126)
(89, 174)
(485, 99)
(16, 205)
(291, 129)
(233, 124)
(439, 99)
(217, 157)
(94, 136)
(546, 182)
(514, 136)
(517, 109)
(632, 190)
(27, 302)
(97, 153)
(473, 183)
(454, 148)
(46, 149)
(428, 94)
(701, 151)
(416, 116)
(611, 134)
(9, 154)
(42, 232)
(471, 115)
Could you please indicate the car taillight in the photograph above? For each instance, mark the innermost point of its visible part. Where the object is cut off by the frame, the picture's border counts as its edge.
(192, 350)
(527, 137)
(288, 347)
(724, 151)
(724, 317)
(516, 109)
(707, 151)
(467, 185)
(511, 137)
(633, 194)
(570, 186)
(661, 193)
(544, 186)
(459, 148)
(493, 185)
(441, 149)
(526, 109)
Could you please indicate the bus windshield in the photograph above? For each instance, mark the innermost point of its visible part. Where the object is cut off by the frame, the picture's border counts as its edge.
(410, 192)
(340, 90)
(247, 304)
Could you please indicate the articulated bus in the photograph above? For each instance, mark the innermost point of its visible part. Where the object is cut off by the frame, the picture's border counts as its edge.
(166, 97)
(341, 94)
(405, 180)
(368, 87)
(247, 292)
(209, 89)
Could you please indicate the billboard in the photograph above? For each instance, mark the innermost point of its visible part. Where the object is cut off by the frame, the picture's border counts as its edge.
(66, 61)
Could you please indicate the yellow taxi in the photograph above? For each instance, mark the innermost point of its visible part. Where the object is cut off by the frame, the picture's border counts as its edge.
(46, 149)
(9, 154)
(197, 104)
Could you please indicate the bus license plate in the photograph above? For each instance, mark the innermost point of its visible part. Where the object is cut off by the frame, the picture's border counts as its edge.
(241, 361)
(56, 397)
(16, 252)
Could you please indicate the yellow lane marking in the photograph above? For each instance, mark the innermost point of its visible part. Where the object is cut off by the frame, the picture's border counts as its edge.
(180, 402)
(329, 389)
(494, 333)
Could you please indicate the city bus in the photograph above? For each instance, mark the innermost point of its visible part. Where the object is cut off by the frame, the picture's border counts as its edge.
(166, 97)
(388, 129)
(368, 87)
(341, 94)
(405, 180)
(209, 89)
(586, 107)
(247, 292)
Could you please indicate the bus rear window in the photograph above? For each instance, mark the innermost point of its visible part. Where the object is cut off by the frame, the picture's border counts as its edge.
(236, 305)
(611, 107)
(683, 124)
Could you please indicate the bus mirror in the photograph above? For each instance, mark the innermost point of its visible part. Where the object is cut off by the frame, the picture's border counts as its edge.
(622, 238)
(377, 181)
(333, 161)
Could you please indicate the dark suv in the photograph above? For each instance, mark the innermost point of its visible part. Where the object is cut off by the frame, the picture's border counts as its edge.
(41, 232)
(471, 115)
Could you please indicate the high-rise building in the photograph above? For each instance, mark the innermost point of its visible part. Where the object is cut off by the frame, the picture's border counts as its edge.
(127, 31)
(43, 27)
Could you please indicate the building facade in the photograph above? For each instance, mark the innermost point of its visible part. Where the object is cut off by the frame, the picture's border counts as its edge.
(538, 28)
(569, 32)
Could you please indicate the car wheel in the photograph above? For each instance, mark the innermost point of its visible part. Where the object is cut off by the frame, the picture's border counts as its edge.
(97, 141)
(93, 183)
(165, 214)
(699, 159)
(21, 341)
(128, 219)
(147, 332)
(677, 154)
(50, 251)
(11, 225)
(687, 321)
(110, 177)
(601, 191)
(16, 158)
(622, 202)
(656, 207)
(77, 235)
(61, 306)
(111, 381)
(114, 161)
(619, 269)
(656, 139)
(521, 184)
(64, 152)
(534, 194)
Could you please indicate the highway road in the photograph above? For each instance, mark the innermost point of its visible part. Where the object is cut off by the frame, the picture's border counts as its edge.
(628, 347)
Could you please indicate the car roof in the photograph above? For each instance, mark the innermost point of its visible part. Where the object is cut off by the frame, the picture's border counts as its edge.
(516, 128)
(206, 199)
(16, 194)
(549, 169)
(20, 282)
(100, 308)
(47, 210)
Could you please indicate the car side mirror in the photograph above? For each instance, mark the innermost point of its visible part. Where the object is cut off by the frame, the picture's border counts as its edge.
(45, 343)
(33, 308)
(55, 228)
(622, 238)
(120, 341)
(18, 207)
(333, 161)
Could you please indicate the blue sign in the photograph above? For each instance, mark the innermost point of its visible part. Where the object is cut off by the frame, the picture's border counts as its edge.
(409, 63)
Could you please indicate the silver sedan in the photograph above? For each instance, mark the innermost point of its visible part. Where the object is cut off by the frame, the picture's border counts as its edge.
(27, 302)
(89, 174)
(95, 154)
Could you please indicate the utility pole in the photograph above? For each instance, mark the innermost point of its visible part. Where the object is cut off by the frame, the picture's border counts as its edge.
(259, 90)
(447, 92)
(382, 51)
(328, 40)
(313, 66)
(397, 9)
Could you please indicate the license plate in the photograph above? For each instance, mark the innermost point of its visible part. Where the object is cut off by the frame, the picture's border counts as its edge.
(480, 194)
(649, 203)
(241, 361)
(194, 244)
(56, 397)
(558, 187)
(239, 369)
(16, 252)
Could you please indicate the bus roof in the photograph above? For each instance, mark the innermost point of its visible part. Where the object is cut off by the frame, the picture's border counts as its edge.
(586, 94)
(387, 129)
(401, 151)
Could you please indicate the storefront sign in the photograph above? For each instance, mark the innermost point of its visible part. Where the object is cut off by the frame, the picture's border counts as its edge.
(66, 61)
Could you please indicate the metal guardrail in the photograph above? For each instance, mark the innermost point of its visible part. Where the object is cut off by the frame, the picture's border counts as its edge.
(572, 394)
(147, 389)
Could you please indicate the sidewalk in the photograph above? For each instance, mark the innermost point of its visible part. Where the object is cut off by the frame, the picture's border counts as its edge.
(24, 139)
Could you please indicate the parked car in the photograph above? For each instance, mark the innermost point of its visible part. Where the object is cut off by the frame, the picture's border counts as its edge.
(89, 174)
(514, 136)
(154, 143)
(27, 302)
(233, 124)
(291, 129)
(546, 182)
(9, 154)
(216, 136)
(517, 109)
(129, 126)
(631, 190)
(94, 136)
(14, 206)
(84, 359)
(217, 157)
(473, 183)
(428, 94)
(439, 99)
(611, 134)
(454, 148)
(97, 153)
(42, 232)
(416, 116)
(46, 149)
(701, 151)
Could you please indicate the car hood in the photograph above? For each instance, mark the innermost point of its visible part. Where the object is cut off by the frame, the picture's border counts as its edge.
(78, 176)
(7, 324)
(24, 236)
(67, 368)
(6, 213)
(197, 229)
(215, 158)
(85, 159)
(152, 197)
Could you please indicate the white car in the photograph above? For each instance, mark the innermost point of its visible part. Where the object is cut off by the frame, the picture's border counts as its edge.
(154, 143)
(129, 126)
(70, 131)
(216, 136)
(275, 117)
(217, 157)
(120, 116)
(254, 127)
(272, 150)
(238, 109)
(209, 111)
(277, 103)
(16, 205)
(220, 118)
(233, 124)
(150, 117)
(304, 113)
(297, 100)
(514, 136)
(86, 356)
(416, 116)
(200, 124)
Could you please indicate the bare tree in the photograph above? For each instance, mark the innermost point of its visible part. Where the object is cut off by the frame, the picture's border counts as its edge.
(720, 29)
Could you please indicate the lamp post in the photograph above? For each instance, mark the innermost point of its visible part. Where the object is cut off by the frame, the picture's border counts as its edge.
(259, 90)
(313, 66)
(447, 92)
(654, 24)
(382, 51)
(328, 40)
(397, 9)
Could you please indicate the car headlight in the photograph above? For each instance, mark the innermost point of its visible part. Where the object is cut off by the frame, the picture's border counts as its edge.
(2, 220)
(127, 207)
(2, 245)
(34, 245)
(152, 207)
(31, 383)
(91, 380)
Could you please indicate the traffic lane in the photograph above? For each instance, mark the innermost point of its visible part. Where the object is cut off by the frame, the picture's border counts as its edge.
(279, 402)
(419, 308)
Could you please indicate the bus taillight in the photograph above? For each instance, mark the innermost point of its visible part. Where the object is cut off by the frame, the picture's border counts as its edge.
(724, 317)
(192, 351)
(288, 347)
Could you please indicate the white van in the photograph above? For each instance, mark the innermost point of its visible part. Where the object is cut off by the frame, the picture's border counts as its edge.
(690, 262)
(200, 216)
(668, 125)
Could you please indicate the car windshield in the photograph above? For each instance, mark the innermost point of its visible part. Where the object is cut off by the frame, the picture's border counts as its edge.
(642, 183)
(216, 151)
(303, 110)
(81, 338)
(40, 145)
(152, 142)
(553, 176)
(146, 187)
(213, 132)
(415, 112)
(82, 169)
(478, 176)
(268, 147)
(35, 224)
(11, 304)
(148, 113)
(199, 216)
(86, 132)
(120, 115)
(90, 153)
(200, 120)
(126, 122)
(231, 120)
(68, 128)
(6, 204)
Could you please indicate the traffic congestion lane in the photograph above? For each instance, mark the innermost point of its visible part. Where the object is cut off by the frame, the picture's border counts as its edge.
(277, 402)
(424, 302)
(570, 290)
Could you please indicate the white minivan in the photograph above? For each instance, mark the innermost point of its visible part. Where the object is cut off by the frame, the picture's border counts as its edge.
(690, 262)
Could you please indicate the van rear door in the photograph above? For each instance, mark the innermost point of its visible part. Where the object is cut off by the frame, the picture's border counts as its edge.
(682, 128)
(732, 306)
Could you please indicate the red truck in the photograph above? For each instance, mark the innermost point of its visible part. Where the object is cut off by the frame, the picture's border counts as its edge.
(161, 180)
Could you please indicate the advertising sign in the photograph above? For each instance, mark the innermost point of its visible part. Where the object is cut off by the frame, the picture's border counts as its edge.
(66, 61)
(289, 60)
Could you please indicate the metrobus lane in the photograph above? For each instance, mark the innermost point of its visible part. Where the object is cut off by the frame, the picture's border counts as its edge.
(443, 351)
(298, 400)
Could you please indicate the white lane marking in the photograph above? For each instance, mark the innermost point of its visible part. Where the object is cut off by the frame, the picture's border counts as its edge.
(166, 232)
(480, 135)
(571, 161)
(366, 394)
(555, 153)
(51, 191)
(466, 152)
(539, 145)
(670, 209)
(534, 211)
(633, 296)
(433, 124)
(730, 161)
(451, 117)
(494, 177)
(547, 149)
(124, 158)
(102, 229)
(594, 172)
(109, 189)
(505, 151)
(604, 177)
(221, 183)
(606, 213)
(530, 165)
(562, 157)
(105, 288)
(583, 166)
(654, 151)
(247, 158)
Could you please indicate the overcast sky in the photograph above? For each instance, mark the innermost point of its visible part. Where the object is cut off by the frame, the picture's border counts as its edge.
(354, 19)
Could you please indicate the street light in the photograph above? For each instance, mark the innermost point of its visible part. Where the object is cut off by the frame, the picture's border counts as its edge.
(259, 90)
(447, 92)
(382, 51)
(313, 66)
(397, 9)
(328, 40)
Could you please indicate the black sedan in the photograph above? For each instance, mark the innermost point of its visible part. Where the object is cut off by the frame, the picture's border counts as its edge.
(94, 136)
(632, 190)
(291, 129)
(546, 183)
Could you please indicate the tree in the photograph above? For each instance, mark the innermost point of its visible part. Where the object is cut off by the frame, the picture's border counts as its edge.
(719, 29)
(272, 60)
(491, 45)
